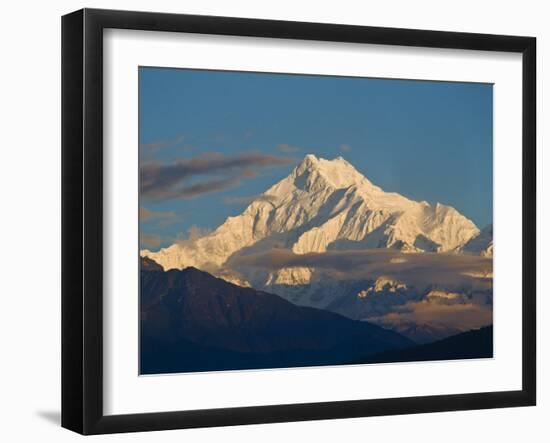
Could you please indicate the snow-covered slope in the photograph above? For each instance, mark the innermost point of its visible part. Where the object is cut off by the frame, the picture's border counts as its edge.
(321, 205)
(481, 244)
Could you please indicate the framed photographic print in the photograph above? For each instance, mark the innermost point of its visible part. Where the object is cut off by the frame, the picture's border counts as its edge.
(269, 221)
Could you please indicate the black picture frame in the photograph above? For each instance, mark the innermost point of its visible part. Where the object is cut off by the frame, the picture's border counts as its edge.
(82, 219)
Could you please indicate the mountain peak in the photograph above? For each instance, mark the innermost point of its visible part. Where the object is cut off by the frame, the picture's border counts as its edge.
(148, 264)
(310, 158)
(337, 173)
(325, 204)
(309, 163)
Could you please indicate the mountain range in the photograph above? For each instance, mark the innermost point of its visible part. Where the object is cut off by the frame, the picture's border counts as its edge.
(310, 239)
(480, 244)
(476, 343)
(321, 205)
(193, 321)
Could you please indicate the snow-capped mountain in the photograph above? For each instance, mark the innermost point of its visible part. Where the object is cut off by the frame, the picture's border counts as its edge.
(323, 205)
(481, 244)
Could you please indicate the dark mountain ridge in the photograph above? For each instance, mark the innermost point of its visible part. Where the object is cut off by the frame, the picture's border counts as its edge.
(477, 343)
(193, 321)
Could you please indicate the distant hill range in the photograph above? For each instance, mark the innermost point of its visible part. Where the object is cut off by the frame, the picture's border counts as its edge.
(467, 345)
(193, 321)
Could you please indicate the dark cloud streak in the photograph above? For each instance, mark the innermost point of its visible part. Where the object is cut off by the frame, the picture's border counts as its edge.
(160, 144)
(149, 240)
(165, 181)
(206, 187)
(146, 214)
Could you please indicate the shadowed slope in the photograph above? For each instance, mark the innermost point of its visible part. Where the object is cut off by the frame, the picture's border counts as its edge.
(472, 344)
(192, 321)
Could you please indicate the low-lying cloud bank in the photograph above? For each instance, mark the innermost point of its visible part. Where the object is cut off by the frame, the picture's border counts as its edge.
(463, 317)
(449, 270)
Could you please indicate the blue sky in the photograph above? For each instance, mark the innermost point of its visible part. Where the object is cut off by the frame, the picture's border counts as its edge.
(426, 140)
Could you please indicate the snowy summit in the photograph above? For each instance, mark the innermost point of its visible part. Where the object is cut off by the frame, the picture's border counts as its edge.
(325, 204)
